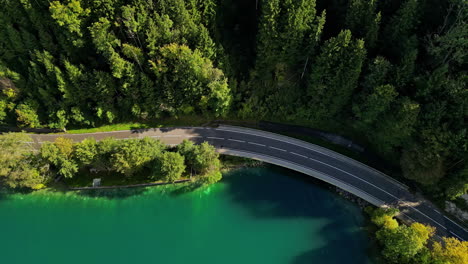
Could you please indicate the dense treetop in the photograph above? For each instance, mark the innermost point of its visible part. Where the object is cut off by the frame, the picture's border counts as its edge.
(409, 244)
(140, 159)
(392, 72)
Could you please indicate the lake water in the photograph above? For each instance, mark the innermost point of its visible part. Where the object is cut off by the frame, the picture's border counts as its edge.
(254, 215)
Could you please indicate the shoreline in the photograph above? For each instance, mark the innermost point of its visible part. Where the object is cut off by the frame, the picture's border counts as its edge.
(127, 186)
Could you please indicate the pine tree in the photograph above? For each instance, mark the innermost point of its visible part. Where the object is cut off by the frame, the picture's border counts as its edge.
(334, 75)
(363, 20)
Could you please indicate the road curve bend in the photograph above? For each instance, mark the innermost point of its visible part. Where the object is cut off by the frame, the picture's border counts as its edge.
(324, 164)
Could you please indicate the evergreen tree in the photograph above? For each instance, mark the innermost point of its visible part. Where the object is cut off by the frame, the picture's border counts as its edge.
(334, 75)
(364, 21)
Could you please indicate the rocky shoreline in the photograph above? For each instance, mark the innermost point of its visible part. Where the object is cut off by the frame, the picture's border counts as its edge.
(351, 197)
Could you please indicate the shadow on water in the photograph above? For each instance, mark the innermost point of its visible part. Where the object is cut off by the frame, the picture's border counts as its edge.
(277, 193)
(335, 251)
(185, 188)
(3, 195)
(5, 192)
(112, 193)
(274, 192)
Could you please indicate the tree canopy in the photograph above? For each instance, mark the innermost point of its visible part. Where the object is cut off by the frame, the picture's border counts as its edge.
(409, 244)
(18, 166)
(390, 74)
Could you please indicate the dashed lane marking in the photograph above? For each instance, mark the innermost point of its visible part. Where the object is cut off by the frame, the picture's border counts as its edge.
(277, 148)
(253, 143)
(454, 223)
(297, 154)
(216, 138)
(373, 185)
(236, 140)
(456, 235)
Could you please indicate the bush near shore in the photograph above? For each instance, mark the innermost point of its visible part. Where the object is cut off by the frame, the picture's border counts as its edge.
(124, 161)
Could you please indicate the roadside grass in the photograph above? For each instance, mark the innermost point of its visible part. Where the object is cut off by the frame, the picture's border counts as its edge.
(198, 120)
(164, 122)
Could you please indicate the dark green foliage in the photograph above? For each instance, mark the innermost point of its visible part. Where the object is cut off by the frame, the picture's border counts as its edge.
(363, 20)
(393, 72)
(288, 34)
(27, 114)
(191, 81)
(401, 243)
(132, 155)
(60, 155)
(187, 149)
(19, 168)
(401, 27)
(457, 184)
(143, 158)
(397, 125)
(334, 76)
(422, 165)
(201, 159)
(86, 62)
(169, 167)
(371, 105)
(86, 151)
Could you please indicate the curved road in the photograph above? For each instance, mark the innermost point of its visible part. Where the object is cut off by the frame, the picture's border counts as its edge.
(346, 173)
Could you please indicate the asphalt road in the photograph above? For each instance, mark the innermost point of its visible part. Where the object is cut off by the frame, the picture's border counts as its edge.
(346, 173)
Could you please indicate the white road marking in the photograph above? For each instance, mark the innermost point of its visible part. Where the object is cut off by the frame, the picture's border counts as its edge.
(253, 143)
(277, 148)
(379, 189)
(297, 154)
(428, 217)
(299, 165)
(376, 188)
(189, 136)
(454, 223)
(216, 138)
(409, 217)
(343, 159)
(456, 235)
(236, 140)
(289, 142)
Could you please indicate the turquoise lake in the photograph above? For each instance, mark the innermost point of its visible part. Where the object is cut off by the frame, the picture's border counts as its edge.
(254, 215)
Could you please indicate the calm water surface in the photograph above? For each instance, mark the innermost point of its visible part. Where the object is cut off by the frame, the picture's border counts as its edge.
(256, 215)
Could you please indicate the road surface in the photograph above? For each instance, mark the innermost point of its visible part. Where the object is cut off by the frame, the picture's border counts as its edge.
(334, 168)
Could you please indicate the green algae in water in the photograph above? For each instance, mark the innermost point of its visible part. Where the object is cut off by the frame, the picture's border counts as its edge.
(255, 215)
